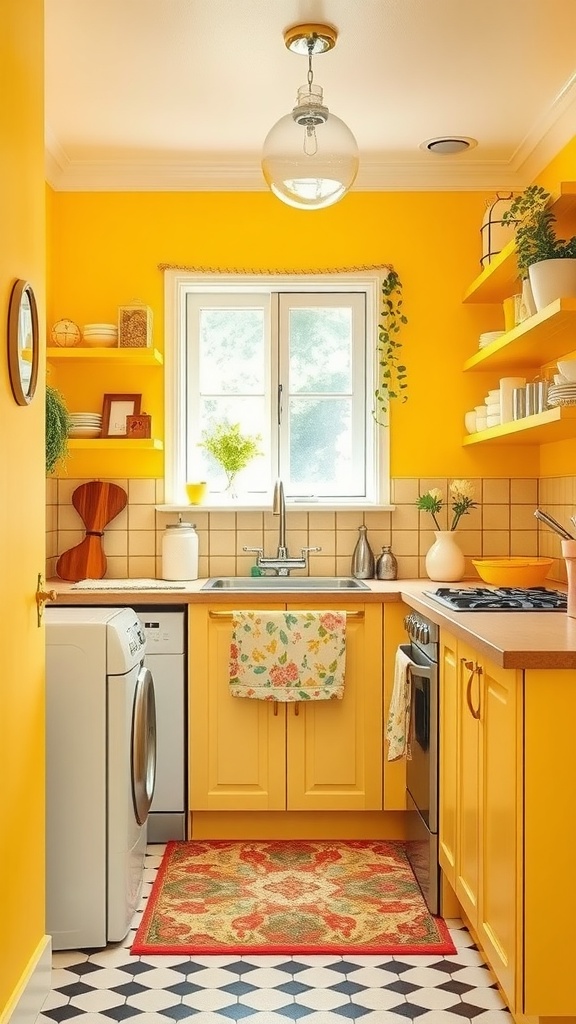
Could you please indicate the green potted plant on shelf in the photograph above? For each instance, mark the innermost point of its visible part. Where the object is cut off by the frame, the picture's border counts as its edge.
(57, 426)
(549, 262)
(231, 449)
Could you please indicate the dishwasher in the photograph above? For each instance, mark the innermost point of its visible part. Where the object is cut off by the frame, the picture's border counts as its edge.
(165, 656)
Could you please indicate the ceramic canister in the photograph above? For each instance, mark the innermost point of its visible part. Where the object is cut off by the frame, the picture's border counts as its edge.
(180, 552)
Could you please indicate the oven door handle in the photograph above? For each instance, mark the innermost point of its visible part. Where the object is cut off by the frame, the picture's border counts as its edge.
(423, 671)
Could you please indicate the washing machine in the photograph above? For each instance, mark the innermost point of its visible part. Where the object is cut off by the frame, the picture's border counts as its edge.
(100, 769)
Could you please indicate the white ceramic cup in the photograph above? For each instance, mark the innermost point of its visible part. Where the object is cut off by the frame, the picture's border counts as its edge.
(470, 421)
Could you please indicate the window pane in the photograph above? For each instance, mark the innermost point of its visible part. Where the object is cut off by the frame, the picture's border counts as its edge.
(321, 447)
(231, 351)
(321, 350)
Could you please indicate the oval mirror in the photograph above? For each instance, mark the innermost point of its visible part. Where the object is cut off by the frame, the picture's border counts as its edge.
(23, 342)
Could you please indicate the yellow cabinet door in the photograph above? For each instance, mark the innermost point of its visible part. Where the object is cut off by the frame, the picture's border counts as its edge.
(237, 753)
(468, 773)
(501, 828)
(334, 754)
(448, 759)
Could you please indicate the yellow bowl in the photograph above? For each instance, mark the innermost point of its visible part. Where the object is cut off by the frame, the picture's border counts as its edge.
(513, 572)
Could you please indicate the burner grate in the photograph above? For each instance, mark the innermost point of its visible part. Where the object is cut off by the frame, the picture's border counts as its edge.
(513, 599)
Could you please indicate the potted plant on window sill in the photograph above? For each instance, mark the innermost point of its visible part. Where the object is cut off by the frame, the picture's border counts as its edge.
(231, 449)
(547, 261)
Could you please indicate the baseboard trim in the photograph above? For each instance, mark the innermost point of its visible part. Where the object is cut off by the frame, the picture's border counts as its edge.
(34, 987)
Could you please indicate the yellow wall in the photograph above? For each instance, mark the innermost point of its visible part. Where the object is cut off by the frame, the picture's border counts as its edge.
(22, 489)
(104, 250)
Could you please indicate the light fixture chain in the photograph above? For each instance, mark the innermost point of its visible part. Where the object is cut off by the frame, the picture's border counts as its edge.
(311, 44)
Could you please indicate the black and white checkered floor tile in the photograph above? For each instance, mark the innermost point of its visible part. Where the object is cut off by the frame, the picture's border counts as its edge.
(110, 986)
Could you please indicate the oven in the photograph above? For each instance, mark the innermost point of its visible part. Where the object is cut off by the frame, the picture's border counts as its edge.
(422, 765)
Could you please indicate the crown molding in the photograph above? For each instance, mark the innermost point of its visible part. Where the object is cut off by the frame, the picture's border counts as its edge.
(425, 172)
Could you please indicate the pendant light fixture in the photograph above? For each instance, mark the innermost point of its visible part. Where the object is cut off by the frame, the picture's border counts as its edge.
(310, 157)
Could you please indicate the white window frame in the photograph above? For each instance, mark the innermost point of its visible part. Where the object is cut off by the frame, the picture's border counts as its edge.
(177, 285)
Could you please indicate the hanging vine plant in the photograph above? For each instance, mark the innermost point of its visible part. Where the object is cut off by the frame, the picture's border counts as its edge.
(57, 426)
(392, 374)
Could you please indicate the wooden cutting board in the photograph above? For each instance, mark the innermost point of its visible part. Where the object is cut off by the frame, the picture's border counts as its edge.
(98, 504)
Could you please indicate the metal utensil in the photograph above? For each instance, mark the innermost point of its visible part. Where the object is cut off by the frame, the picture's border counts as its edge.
(553, 524)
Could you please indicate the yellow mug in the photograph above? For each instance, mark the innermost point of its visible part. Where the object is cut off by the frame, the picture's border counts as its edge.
(197, 492)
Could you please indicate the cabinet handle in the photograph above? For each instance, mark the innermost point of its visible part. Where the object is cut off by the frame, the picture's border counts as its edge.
(275, 708)
(473, 669)
(228, 615)
(296, 708)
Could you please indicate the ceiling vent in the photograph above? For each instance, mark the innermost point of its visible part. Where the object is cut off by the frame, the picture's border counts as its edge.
(449, 145)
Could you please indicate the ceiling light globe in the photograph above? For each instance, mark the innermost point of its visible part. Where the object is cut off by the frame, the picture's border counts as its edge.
(310, 157)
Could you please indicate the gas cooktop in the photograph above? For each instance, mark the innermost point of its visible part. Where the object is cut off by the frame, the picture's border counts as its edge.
(499, 599)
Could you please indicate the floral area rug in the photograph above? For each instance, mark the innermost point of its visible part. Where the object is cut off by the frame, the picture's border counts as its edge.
(283, 896)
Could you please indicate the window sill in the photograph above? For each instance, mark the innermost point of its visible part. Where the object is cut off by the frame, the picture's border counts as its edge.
(291, 506)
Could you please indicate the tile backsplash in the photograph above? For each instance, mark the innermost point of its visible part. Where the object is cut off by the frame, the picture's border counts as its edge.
(503, 524)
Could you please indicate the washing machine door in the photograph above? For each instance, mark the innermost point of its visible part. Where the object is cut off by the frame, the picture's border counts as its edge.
(143, 745)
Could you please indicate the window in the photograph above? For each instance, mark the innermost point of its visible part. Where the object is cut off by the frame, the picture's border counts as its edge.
(291, 360)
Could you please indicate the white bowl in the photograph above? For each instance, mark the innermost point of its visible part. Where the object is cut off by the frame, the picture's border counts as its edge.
(481, 422)
(470, 421)
(100, 327)
(84, 432)
(567, 368)
(494, 396)
(101, 341)
(493, 421)
(492, 408)
(489, 336)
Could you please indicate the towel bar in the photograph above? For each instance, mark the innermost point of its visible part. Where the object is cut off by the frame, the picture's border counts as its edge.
(229, 615)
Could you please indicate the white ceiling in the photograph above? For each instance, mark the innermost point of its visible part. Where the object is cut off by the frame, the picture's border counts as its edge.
(180, 94)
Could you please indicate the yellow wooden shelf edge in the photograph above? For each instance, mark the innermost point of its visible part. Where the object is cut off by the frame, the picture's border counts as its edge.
(116, 443)
(553, 425)
(126, 356)
(525, 345)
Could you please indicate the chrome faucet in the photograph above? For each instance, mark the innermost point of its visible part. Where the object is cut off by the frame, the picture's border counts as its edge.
(279, 509)
(282, 564)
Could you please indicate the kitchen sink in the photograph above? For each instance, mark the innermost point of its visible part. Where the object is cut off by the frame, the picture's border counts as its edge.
(250, 584)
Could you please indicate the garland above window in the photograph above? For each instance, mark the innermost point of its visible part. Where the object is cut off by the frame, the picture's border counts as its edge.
(392, 374)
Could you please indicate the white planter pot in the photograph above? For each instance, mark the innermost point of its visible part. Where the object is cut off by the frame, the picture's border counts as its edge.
(552, 279)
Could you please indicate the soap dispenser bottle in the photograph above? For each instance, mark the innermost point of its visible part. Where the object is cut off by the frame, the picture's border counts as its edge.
(363, 557)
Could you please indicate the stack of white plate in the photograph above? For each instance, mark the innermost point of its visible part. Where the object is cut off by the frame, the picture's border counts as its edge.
(562, 394)
(100, 335)
(488, 337)
(85, 424)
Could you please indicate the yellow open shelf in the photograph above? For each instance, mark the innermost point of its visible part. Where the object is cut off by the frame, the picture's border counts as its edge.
(500, 279)
(119, 356)
(553, 425)
(547, 335)
(116, 443)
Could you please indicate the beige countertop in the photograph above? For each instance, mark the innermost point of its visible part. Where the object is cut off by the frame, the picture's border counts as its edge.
(511, 639)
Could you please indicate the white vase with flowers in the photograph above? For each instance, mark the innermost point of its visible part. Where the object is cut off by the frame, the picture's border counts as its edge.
(445, 562)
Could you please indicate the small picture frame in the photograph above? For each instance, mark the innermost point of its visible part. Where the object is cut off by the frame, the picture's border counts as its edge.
(115, 410)
(139, 425)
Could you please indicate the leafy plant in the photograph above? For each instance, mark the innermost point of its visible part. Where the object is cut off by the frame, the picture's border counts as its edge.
(536, 238)
(462, 495)
(57, 426)
(231, 449)
(392, 375)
